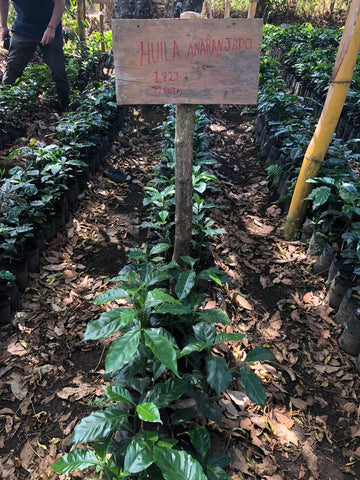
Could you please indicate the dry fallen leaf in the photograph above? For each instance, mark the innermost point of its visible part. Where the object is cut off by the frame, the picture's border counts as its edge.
(19, 385)
(241, 301)
(239, 462)
(310, 457)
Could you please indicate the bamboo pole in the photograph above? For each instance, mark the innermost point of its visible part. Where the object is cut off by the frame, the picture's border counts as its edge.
(252, 9)
(338, 89)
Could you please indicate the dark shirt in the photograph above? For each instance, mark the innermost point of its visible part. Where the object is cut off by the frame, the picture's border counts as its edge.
(32, 18)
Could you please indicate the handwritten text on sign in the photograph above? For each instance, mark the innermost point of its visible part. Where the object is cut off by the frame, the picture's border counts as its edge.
(187, 61)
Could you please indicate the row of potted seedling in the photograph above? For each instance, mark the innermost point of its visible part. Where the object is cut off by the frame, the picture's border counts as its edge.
(38, 193)
(284, 130)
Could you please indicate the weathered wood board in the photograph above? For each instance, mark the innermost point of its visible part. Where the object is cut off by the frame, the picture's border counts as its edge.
(188, 61)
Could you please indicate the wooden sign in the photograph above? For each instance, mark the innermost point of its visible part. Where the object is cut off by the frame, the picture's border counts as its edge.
(195, 61)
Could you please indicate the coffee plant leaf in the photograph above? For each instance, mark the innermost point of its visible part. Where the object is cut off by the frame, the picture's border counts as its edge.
(148, 412)
(118, 394)
(122, 350)
(218, 373)
(108, 323)
(111, 295)
(214, 315)
(193, 347)
(259, 354)
(162, 348)
(138, 456)
(228, 337)
(99, 425)
(75, 460)
(167, 392)
(205, 333)
(177, 464)
(252, 386)
(200, 438)
(185, 283)
(215, 472)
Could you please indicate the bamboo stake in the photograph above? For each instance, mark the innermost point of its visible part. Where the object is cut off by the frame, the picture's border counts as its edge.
(338, 89)
(252, 9)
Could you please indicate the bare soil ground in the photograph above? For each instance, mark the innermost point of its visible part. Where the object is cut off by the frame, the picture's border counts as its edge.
(49, 380)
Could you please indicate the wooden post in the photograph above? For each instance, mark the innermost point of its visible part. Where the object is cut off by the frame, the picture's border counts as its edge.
(184, 130)
(81, 19)
(227, 9)
(338, 89)
(101, 14)
(252, 9)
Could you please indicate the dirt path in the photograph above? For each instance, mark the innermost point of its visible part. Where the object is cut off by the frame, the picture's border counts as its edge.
(49, 380)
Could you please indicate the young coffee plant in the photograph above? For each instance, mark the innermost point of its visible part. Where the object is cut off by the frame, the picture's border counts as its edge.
(164, 353)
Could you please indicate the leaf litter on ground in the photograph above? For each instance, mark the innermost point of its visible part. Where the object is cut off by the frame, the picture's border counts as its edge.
(48, 379)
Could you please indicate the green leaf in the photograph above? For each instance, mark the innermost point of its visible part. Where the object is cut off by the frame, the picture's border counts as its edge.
(122, 350)
(212, 273)
(127, 274)
(160, 248)
(99, 425)
(214, 315)
(148, 412)
(108, 323)
(218, 459)
(75, 460)
(183, 415)
(177, 465)
(167, 442)
(165, 393)
(164, 215)
(218, 373)
(173, 309)
(319, 196)
(154, 277)
(157, 297)
(110, 295)
(210, 410)
(162, 349)
(150, 437)
(189, 260)
(200, 438)
(252, 386)
(137, 253)
(259, 354)
(118, 394)
(138, 456)
(193, 347)
(185, 283)
(228, 337)
(216, 473)
(205, 333)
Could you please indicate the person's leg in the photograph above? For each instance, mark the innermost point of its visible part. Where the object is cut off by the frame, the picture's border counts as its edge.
(20, 52)
(54, 57)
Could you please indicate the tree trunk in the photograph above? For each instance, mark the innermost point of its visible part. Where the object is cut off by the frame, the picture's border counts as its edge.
(132, 8)
(261, 6)
(81, 19)
(186, 6)
(184, 128)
